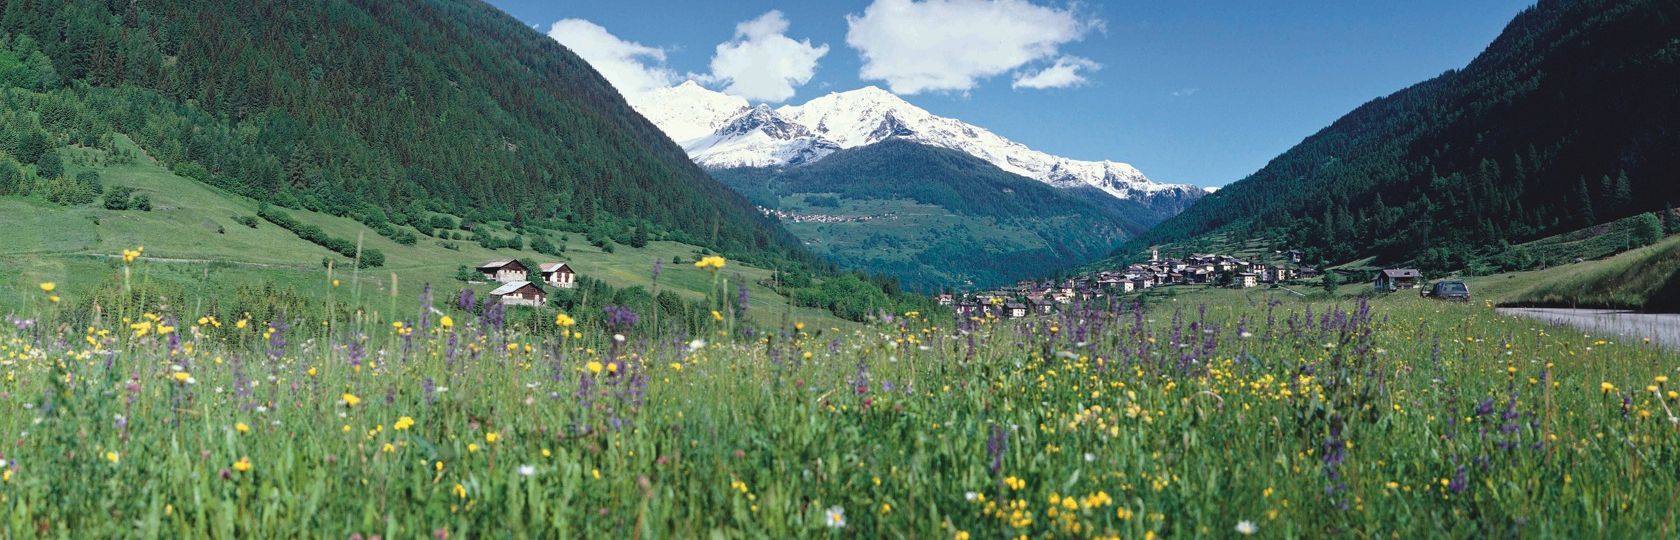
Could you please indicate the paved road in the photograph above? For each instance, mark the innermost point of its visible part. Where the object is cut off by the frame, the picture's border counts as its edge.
(1662, 328)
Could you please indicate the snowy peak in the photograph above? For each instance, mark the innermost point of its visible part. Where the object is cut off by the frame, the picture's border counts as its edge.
(689, 111)
(765, 119)
(758, 137)
(720, 131)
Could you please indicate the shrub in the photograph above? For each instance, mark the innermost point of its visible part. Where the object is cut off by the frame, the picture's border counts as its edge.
(143, 202)
(117, 198)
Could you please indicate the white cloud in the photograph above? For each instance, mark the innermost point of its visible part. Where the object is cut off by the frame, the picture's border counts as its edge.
(634, 69)
(761, 63)
(950, 45)
(1185, 92)
(1062, 74)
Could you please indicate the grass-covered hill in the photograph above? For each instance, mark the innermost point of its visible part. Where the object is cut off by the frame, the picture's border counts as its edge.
(373, 110)
(205, 249)
(935, 218)
(1567, 120)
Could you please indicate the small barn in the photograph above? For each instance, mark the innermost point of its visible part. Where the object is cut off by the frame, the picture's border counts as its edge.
(505, 271)
(1394, 279)
(521, 293)
(559, 275)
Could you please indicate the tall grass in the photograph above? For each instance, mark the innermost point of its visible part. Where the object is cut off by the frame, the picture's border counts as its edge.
(1647, 279)
(1401, 419)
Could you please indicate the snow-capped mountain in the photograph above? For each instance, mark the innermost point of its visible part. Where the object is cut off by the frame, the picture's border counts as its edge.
(761, 137)
(688, 111)
(758, 137)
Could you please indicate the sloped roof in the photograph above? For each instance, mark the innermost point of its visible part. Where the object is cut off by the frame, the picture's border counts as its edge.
(492, 265)
(554, 267)
(1402, 273)
(510, 287)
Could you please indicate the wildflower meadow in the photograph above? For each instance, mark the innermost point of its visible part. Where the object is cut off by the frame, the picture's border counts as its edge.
(1191, 417)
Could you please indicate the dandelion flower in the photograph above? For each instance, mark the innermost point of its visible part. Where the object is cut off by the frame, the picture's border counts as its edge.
(350, 399)
(403, 423)
(112, 457)
(491, 437)
(472, 447)
(48, 286)
(564, 321)
(241, 427)
(446, 322)
(593, 367)
(243, 465)
(835, 517)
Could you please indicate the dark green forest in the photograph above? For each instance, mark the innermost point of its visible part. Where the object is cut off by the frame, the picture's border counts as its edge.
(367, 108)
(1567, 120)
(1074, 226)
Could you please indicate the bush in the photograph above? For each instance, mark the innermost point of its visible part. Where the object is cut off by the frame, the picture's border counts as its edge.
(50, 166)
(117, 198)
(248, 221)
(142, 202)
(91, 180)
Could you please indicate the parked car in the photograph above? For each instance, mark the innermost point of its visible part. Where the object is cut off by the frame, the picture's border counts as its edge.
(1448, 290)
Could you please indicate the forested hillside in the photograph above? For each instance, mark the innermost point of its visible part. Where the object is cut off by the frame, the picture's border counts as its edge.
(371, 109)
(937, 218)
(1567, 120)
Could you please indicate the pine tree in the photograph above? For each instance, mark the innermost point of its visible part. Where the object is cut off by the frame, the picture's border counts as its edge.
(639, 238)
(1624, 193)
(1584, 199)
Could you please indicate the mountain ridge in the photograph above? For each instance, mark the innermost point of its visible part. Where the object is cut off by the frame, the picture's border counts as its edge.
(868, 115)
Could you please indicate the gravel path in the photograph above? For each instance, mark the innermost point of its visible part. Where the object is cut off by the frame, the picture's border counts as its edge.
(1663, 328)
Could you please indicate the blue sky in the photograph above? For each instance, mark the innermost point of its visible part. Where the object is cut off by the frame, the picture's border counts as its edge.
(1200, 92)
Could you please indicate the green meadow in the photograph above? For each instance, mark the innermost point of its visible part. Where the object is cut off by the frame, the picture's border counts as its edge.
(1211, 413)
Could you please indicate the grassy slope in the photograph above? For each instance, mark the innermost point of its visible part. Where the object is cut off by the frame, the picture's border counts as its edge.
(1644, 278)
(75, 247)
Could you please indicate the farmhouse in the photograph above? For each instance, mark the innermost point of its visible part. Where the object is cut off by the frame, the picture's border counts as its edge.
(1015, 310)
(1394, 279)
(558, 275)
(1246, 280)
(520, 293)
(506, 271)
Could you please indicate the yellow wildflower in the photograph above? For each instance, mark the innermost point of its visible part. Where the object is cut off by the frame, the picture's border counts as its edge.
(350, 399)
(243, 465)
(564, 321)
(48, 286)
(241, 427)
(403, 423)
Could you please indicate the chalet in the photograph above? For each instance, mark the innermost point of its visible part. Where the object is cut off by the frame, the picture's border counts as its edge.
(558, 275)
(507, 271)
(968, 309)
(946, 299)
(520, 293)
(1041, 306)
(1246, 280)
(1015, 310)
(1394, 279)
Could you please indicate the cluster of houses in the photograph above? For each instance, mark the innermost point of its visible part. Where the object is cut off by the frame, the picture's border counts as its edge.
(517, 288)
(1042, 297)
